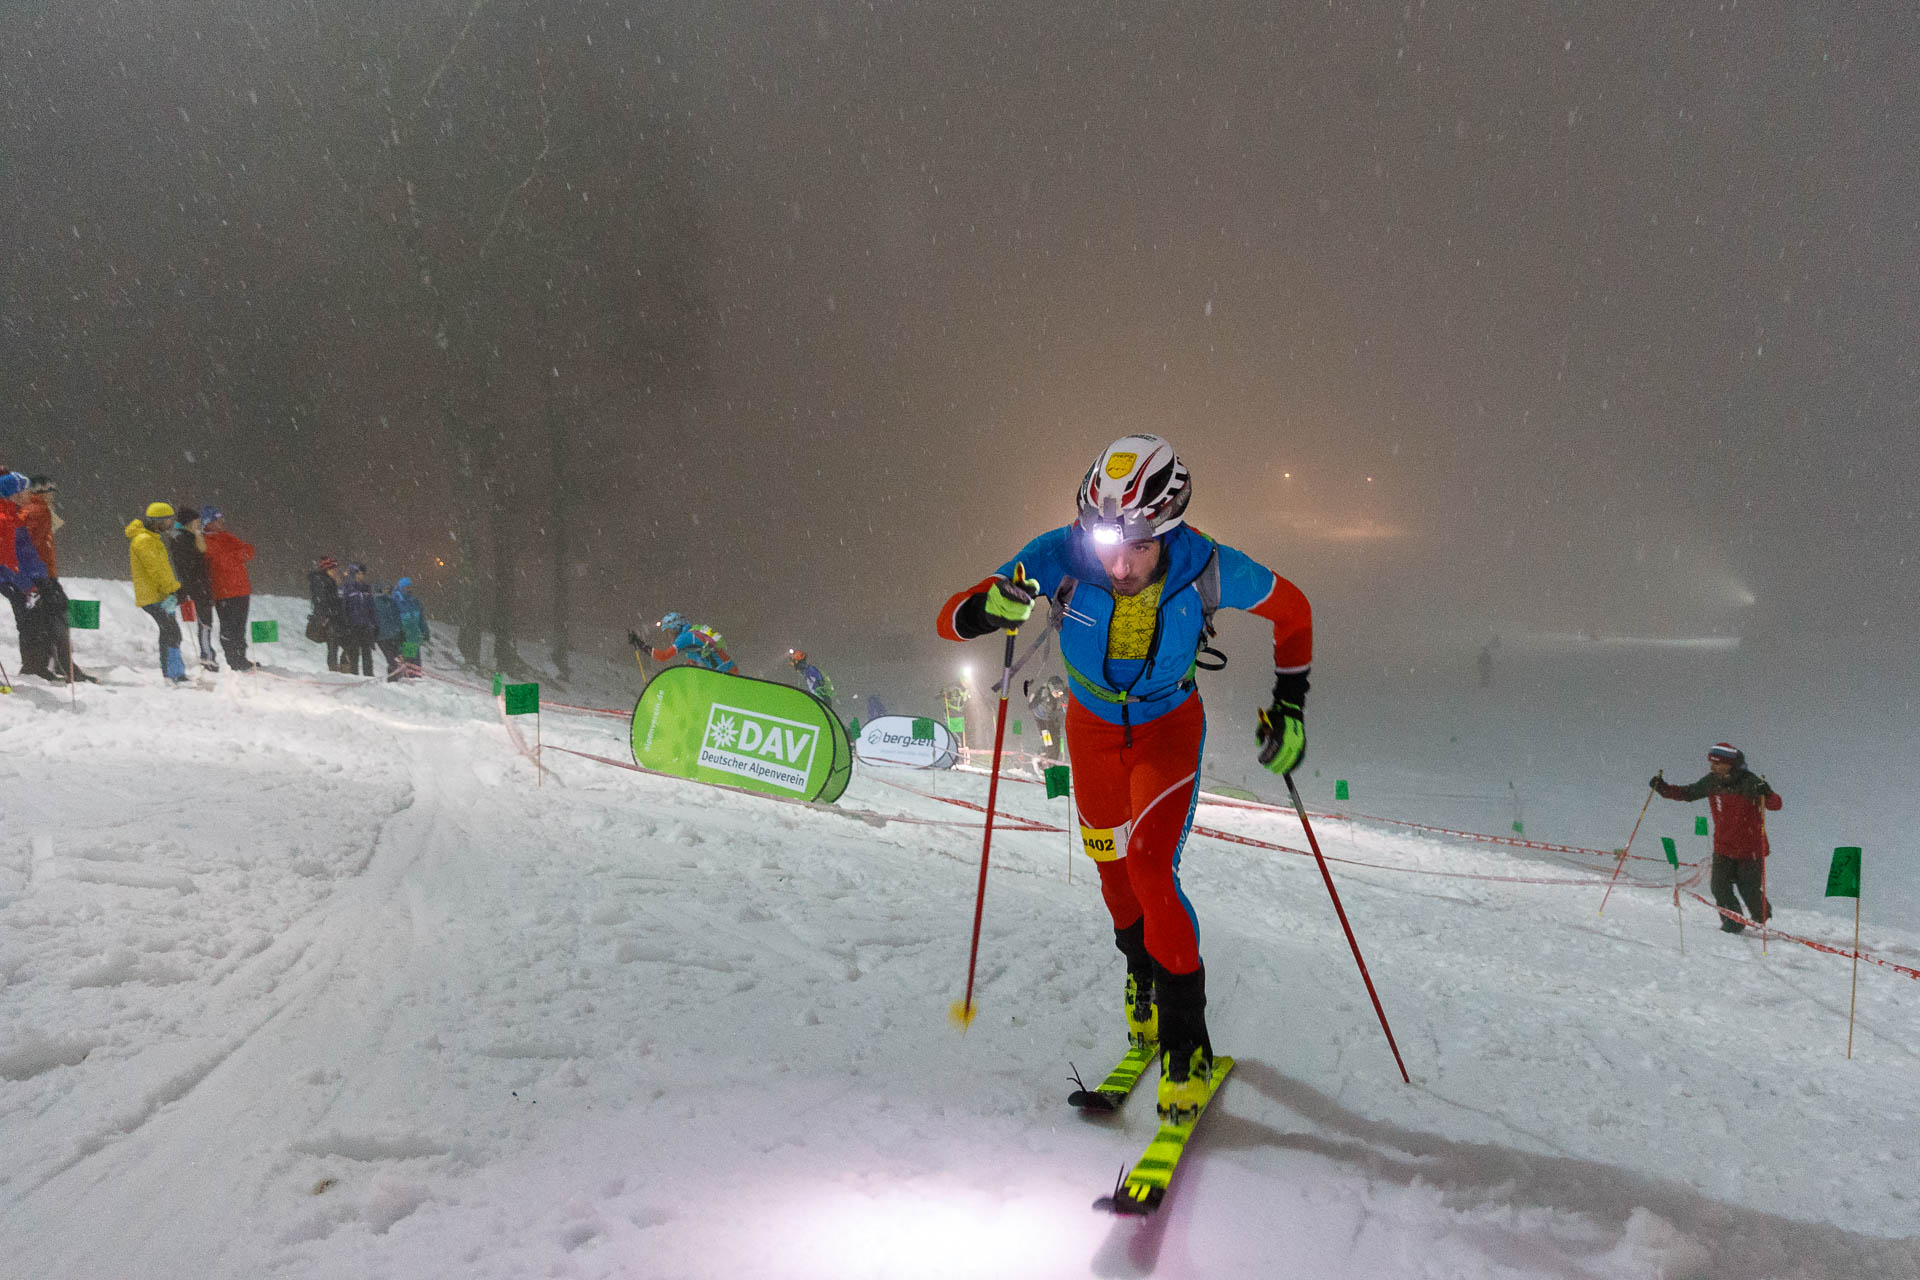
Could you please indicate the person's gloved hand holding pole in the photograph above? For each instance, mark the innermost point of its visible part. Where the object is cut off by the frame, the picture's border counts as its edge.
(1010, 604)
(1282, 732)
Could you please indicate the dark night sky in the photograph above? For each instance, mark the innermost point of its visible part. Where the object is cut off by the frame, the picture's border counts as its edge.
(1561, 317)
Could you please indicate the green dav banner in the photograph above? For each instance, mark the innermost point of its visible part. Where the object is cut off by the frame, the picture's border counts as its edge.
(265, 632)
(521, 699)
(1700, 824)
(700, 724)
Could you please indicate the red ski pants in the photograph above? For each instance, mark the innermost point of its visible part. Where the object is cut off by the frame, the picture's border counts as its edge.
(1135, 804)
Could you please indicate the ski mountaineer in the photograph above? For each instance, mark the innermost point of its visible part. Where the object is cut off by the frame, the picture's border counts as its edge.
(702, 646)
(1735, 794)
(817, 685)
(1134, 586)
(1048, 704)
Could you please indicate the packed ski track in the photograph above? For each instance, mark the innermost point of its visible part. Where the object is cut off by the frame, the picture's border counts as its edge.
(304, 976)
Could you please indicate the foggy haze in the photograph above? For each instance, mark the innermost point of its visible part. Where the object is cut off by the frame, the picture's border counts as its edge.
(1562, 323)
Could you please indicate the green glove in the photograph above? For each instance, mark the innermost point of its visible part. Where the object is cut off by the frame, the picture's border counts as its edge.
(1282, 736)
(1009, 604)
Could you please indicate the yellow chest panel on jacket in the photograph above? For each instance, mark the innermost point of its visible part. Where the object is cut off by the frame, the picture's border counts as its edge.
(1130, 634)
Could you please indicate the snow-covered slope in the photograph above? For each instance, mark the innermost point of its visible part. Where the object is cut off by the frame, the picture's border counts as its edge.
(305, 976)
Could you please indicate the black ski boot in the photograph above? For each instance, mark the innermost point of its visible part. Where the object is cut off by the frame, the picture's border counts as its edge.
(1143, 1014)
(1186, 1054)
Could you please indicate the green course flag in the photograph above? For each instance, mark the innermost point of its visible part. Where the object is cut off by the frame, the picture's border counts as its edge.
(83, 615)
(1016, 729)
(1059, 780)
(522, 699)
(1700, 825)
(1843, 878)
(957, 726)
(265, 631)
(1673, 854)
(410, 648)
(853, 727)
(1340, 789)
(1519, 828)
(499, 683)
(923, 729)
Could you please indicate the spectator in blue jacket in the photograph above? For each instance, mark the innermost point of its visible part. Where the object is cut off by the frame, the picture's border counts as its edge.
(413, 625)
(387, 631)
(356, 605)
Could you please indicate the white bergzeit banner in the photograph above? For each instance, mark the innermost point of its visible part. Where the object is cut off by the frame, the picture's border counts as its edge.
(891, 741)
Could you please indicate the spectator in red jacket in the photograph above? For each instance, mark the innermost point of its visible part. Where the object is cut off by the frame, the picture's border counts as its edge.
(51, 655)
(227, 558)
(23, 578)
(1735, 794)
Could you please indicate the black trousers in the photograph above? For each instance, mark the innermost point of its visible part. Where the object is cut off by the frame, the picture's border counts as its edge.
(233, 629)
(1743, 874)
(169, 632)
(35, 649)
(356, 650)
(390, 650)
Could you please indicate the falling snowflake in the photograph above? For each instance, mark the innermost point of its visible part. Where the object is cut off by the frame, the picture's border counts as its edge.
(722, 732)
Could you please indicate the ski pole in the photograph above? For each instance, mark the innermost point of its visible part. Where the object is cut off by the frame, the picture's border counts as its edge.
(1766, 906)
(6, 685)
(1341, 911)
(962, 1012)
(1623, 852)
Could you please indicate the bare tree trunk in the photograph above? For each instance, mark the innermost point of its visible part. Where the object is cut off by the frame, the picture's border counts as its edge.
(506, 655)
(560, 530)
(466, 529)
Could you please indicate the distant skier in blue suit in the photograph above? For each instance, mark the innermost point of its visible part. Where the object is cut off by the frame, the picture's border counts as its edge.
(698, 646)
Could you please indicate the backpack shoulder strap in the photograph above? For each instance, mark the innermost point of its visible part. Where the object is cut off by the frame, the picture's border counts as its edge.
(1208, 585)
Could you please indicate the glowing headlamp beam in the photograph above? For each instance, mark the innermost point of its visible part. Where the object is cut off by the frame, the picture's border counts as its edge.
(1106, 535)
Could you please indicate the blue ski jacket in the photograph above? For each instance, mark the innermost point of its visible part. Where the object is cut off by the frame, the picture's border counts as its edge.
(1136, 690)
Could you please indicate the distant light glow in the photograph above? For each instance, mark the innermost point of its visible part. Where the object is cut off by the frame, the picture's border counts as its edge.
(1574, 641)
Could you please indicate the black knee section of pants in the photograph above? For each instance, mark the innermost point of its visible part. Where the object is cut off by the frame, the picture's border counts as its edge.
(1132, 942)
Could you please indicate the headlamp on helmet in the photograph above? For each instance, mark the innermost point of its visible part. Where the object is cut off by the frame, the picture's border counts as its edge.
(1136, 489)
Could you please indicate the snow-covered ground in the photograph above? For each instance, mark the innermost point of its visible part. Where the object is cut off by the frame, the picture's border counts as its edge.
(304, 976)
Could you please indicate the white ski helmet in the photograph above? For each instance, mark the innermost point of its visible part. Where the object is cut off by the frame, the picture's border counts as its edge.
(1136, 488)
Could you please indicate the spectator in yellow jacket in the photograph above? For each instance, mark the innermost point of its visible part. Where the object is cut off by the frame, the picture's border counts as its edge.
(154, 584)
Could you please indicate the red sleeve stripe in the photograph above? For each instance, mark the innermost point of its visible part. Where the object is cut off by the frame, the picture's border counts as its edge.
(945, 623)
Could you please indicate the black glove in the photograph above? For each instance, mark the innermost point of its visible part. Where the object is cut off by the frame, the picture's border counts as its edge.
(633, 638)
(1657, 781)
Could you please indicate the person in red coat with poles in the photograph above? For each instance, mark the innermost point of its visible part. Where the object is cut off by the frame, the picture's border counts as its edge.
(1735, 794)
